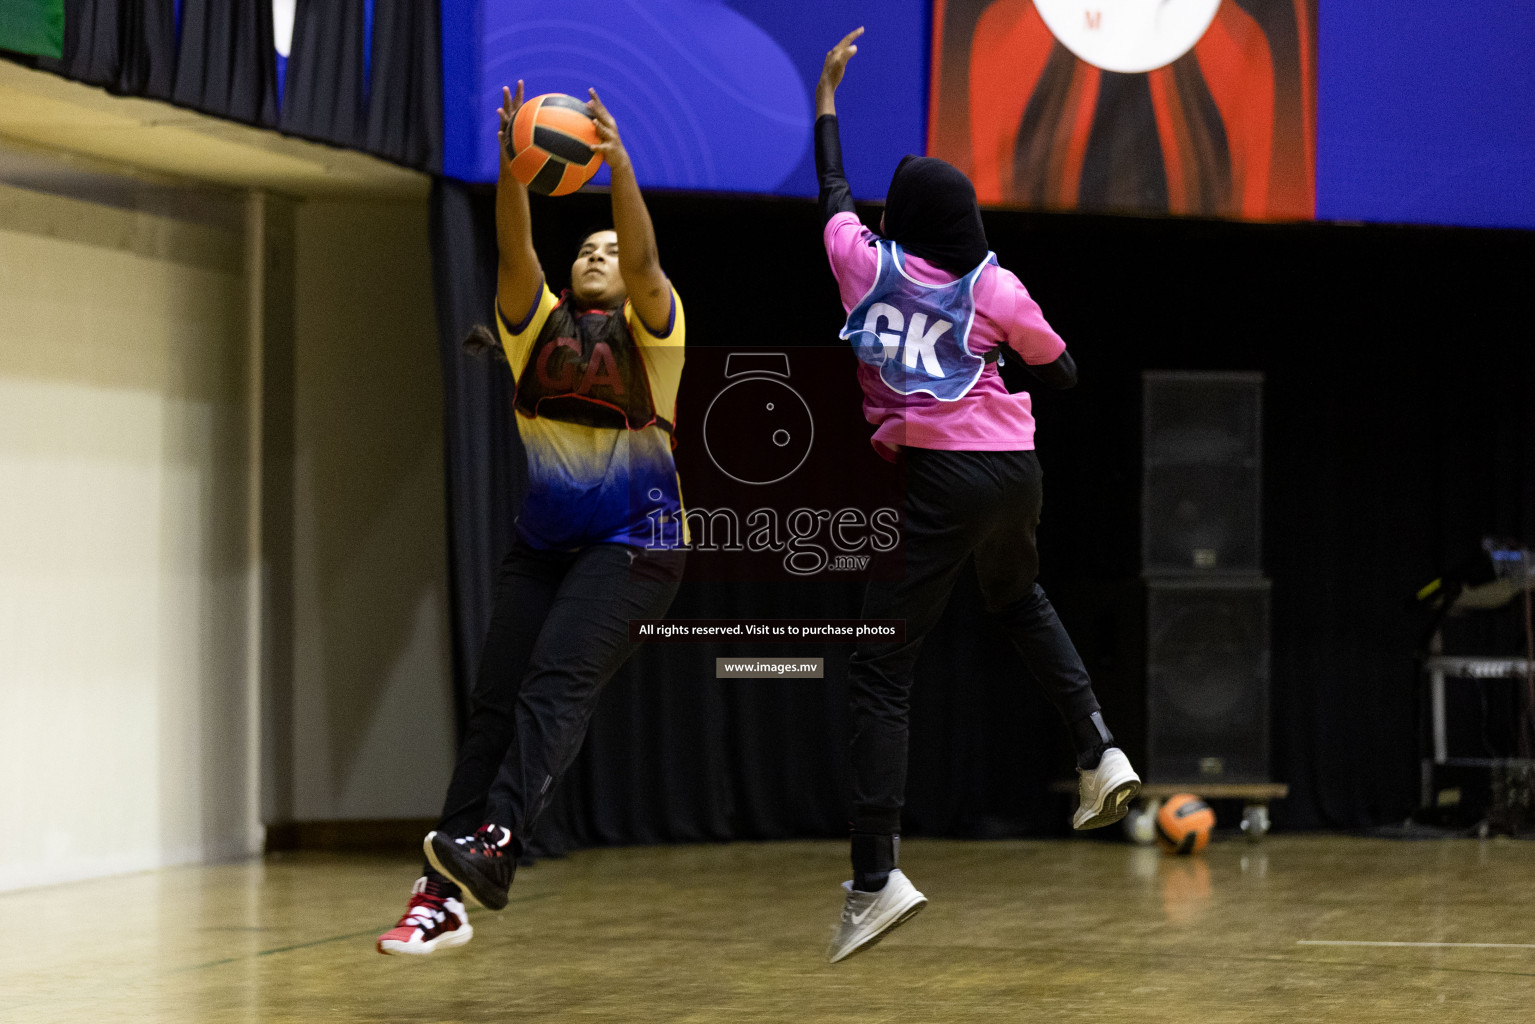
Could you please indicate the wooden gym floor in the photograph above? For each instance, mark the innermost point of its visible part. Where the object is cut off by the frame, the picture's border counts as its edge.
(1015, 931)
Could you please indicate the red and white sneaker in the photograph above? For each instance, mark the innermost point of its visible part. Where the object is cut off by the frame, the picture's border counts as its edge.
(432, 921)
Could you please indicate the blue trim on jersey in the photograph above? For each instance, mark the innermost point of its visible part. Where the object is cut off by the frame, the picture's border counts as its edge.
(916, 334)
(637, 502)
(671, 321)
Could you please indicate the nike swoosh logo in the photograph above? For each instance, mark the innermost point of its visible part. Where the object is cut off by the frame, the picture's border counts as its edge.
(858, 918)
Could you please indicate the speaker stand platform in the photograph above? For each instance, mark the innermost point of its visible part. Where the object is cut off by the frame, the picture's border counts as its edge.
(1255, 797)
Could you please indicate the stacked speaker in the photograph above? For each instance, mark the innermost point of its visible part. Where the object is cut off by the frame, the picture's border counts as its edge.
(1207, 602)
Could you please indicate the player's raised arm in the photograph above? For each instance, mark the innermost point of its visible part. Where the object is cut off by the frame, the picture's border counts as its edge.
(518, 273)
(639, 263)
(832, 71)
(835, 197)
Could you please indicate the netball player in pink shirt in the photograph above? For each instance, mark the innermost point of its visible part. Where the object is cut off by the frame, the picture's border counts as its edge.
(929, 311)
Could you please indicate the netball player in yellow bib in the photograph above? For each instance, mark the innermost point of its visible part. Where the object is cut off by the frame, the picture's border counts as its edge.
(597, 369)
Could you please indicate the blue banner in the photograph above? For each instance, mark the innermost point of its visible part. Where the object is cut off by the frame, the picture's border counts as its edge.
(708, 94)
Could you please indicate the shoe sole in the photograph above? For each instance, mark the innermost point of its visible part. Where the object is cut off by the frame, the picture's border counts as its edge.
(452, 940)
(1114, 806)
(463, 884)
(901, 916)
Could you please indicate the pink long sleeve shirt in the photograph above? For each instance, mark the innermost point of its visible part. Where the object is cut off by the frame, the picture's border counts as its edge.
(987, 418)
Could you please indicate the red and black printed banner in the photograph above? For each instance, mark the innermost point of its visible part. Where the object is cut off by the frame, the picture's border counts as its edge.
(1203, 107)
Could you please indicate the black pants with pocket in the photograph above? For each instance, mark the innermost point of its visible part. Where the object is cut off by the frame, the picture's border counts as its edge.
(959, 504)
(559, 629)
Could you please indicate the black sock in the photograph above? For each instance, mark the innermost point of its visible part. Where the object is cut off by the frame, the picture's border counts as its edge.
(445, 885)
(1092, 738)
(874, 857)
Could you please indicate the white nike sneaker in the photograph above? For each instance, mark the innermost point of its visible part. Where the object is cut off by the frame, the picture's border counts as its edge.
(1104, 793)
(867, 916)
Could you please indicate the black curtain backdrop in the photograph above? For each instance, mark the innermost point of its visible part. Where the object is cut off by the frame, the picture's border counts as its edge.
(397, 112)
(405, 95)
(226, 64)
(222, 62)
(323, 97)
(1399, 430)
(125, 46)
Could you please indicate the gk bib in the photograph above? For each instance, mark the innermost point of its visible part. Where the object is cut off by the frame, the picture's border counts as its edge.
(916, 334)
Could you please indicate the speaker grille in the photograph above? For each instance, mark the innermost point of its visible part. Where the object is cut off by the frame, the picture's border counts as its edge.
(1207, 681)
(1202, 476)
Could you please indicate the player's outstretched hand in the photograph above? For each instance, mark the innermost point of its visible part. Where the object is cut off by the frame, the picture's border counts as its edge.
(509, 106)
(611, 147)
(836, 62)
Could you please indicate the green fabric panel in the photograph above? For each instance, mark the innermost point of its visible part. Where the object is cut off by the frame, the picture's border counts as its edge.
(32, 26)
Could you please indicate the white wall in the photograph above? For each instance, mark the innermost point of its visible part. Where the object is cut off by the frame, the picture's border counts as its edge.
(372, 721)
(124, 500)
(135, 628)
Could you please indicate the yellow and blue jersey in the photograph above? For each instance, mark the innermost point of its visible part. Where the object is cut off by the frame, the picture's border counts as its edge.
(597, 392)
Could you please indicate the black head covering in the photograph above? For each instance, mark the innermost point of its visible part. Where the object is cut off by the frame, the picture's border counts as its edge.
(931, 212)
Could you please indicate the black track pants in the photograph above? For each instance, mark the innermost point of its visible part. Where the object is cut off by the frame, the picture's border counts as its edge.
(558, 632)
(959, 504)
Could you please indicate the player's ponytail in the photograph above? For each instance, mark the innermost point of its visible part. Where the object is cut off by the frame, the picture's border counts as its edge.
(480, 340)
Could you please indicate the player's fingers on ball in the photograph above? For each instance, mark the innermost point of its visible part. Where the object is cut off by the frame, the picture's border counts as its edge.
(601, 111)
